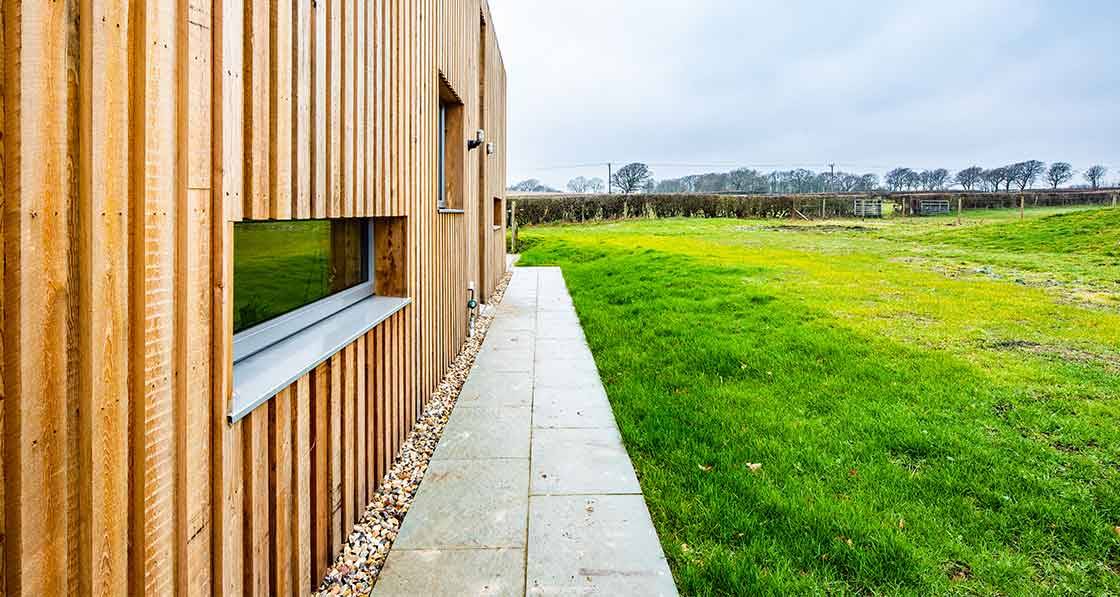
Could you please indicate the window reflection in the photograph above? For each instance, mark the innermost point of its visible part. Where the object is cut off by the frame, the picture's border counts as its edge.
(279, 267)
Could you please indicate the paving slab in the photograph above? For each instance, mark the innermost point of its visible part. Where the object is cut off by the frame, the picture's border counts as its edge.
(561, 332)
(594, 545)
(485, 432)
(466, 504)
(574, 372)
(497, 389)
(512, 340)
(490, 572)
(561, 414)
(530, 490)
(581, 461)
(586, 407)
(553, 349)
(505, 359)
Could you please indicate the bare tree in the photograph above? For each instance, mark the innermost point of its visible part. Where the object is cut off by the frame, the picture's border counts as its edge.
(970, 178)
(577, 185)
(801, 179)
(632, 177)
(1095, 175)
(913, 180)
(1007, 176)
(994, 178)
(1059, 174)
(847, 182)
(1026, 173)
(934, 180)
(596, 185)
(743, 179)
(868, 182)
(897, 178)
(532, 185)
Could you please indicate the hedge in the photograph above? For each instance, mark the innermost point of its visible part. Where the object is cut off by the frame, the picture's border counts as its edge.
(546, 209)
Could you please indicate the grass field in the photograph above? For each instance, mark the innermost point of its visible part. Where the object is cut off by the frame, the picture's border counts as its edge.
(895, 407)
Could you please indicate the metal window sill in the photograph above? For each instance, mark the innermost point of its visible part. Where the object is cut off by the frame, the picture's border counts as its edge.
(257, 378)
(444, 210)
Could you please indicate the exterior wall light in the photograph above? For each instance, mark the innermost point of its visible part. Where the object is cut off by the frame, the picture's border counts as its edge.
(479, 139)
(490, 149)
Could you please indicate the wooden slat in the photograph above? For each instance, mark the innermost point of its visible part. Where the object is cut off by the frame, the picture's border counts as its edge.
(257, 120)
(360, 430)
(302, 527)
(334, 108)
(384, 410)
(227, 535)
(373, 413)
(370, 105)
(103, 346)
(4, 405)
(348, 100)
(404, 422)
(255, 430)
(334, 439)
(360, 99)
(36, 129)
(156, 469)
(320, 471)
(193, 320)
(302, 143)
(349, 465)
(381, 109)
(281, 114)
(319, 110)
(281, 563)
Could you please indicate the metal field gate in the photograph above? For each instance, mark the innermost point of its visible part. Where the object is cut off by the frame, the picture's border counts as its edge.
(868, 208)
(933, 207)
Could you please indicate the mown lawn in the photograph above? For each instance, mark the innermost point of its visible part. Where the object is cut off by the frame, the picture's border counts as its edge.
(935, 409)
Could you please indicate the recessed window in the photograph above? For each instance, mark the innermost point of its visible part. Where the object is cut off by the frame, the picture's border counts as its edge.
(304, 290)
(499, 213)
(290, 275)
(452, 150)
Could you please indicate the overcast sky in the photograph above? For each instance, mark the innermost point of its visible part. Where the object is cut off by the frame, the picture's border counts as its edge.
(715, 84)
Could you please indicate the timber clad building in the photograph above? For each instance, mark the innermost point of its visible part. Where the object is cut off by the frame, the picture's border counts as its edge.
(239, 240)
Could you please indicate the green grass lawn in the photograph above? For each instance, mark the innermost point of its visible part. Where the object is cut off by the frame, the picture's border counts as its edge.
(935, 408)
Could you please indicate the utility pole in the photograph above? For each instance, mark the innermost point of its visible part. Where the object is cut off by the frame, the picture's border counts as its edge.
(610, 176)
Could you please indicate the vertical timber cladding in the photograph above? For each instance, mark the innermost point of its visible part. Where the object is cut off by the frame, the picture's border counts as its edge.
(133, 135)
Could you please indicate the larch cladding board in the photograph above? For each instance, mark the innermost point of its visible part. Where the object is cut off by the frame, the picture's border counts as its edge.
(134, 134)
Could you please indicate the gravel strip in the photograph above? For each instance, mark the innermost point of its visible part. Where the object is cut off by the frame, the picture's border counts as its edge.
(356, 569)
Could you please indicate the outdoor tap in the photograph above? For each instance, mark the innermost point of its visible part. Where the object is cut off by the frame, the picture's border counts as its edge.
(472, 307)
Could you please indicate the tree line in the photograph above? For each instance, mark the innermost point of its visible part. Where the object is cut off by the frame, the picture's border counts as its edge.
(1021, 175)
(637, 177)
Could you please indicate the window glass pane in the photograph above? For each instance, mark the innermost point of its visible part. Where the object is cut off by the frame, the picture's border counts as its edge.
(281, 266)
(442, 155)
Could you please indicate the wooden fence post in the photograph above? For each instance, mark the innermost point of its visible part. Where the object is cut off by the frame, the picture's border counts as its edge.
(1022, 207)
(822, 207)
(960, 208)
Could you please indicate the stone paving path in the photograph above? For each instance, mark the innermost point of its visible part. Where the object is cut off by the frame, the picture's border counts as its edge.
(530, 491)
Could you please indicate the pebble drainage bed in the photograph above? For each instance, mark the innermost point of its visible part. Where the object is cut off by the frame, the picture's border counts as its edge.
(356, 569)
